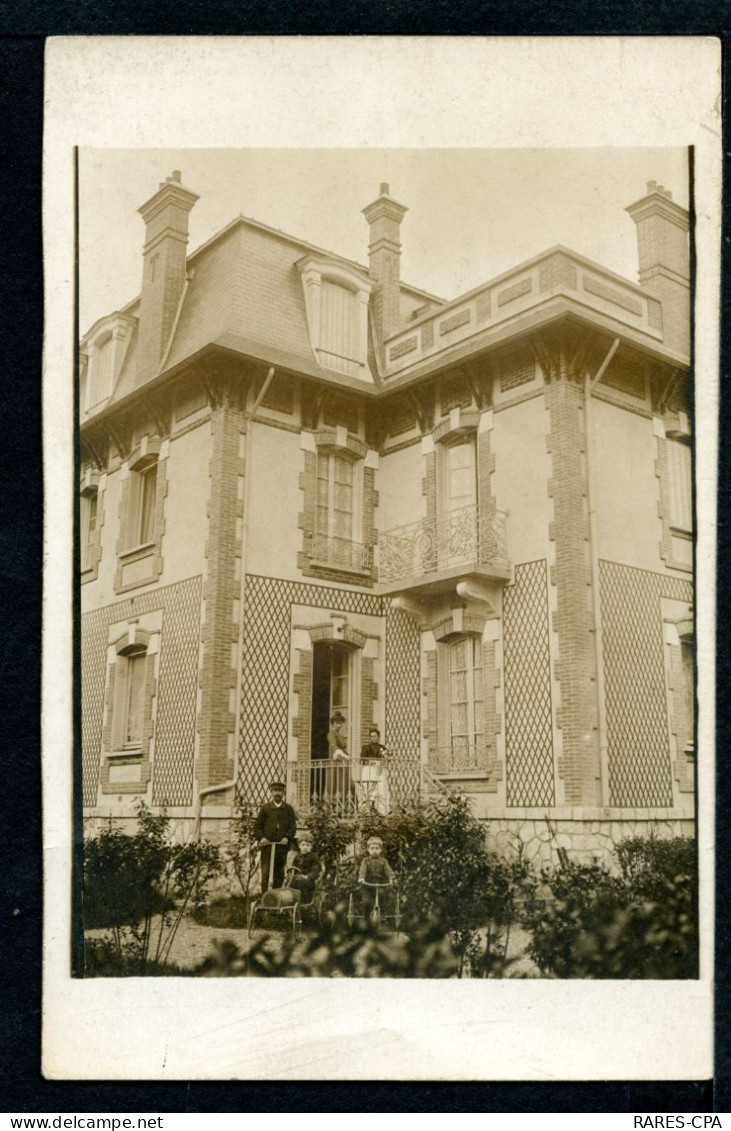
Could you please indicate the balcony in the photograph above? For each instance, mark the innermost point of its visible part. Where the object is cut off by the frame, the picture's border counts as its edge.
(432, 553)
(558, 281)
(354, 786)
(461, 759)
(341, 553)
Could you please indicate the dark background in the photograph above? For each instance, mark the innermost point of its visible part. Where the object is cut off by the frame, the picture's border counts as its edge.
(23, 27)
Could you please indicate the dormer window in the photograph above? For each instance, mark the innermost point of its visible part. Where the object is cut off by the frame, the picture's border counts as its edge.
(336, 298)
(103, 351)
(100, 372)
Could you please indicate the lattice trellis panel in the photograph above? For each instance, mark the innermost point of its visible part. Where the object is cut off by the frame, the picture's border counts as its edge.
(634, 681)
(403, 686)
(527, 674)
(172, 780)
(265, 682)
(177, 688)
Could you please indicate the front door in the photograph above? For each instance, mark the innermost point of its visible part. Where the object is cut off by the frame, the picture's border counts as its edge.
(331, 678)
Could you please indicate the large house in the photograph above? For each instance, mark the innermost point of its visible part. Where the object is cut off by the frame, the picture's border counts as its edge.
(308, 486)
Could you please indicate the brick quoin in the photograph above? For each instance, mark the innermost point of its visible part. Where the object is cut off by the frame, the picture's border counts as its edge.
(579, 767)
(216, 721)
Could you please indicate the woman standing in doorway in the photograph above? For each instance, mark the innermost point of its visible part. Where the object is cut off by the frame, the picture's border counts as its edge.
(341, 786)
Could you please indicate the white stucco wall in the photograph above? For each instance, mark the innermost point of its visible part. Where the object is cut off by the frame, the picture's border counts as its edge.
(186, 502)
(399, 484)
(520, 480)
(274, 460)
(626, 489)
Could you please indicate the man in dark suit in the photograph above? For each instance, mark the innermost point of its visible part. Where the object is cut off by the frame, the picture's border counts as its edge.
(275, 828)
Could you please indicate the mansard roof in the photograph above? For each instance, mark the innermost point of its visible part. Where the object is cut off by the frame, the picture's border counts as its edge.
(244, 295)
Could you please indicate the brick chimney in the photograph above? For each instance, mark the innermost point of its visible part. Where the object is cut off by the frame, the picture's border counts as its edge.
(384, 217)
(163, 269)
(662, 245)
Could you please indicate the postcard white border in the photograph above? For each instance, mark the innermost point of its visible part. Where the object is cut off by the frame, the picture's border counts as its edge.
(430, 92)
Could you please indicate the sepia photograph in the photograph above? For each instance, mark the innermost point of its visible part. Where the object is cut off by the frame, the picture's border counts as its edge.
(386, 581)
(387, 629)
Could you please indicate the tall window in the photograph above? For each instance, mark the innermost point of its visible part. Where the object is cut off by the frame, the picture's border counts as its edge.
(461, 478)
(338, 509)
(89, 520)
(334, 497)
(679, 485)
(142, 504)
(457, 536)
(134, 698)
(465, 702)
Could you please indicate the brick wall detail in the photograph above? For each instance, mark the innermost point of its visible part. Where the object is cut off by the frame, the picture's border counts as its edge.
(579, 767)
(220, 636)
(681, 721)
(265, 677)
(638, 738)
(177, 684)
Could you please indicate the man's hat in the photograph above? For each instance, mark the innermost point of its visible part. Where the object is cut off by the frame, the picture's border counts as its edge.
(277, 785)
(375, 840)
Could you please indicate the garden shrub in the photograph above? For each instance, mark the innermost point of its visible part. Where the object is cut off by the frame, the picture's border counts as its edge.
(131, 880)
(649, 863)
(358, 952)
(642, 924)
(446, 874)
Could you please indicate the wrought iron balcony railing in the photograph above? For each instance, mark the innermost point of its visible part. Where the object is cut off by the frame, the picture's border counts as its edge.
(460, 757)
(353, 786)
(464, 537)
(341, 552)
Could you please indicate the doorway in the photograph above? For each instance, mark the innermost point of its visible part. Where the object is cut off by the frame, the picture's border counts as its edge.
(331, 686)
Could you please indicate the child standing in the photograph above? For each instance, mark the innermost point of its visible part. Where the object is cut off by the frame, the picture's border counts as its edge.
(374, 870)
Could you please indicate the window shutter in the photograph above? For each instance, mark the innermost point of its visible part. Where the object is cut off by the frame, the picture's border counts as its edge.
(679, 485)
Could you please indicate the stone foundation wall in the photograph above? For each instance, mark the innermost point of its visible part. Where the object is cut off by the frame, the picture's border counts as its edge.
(586, 841)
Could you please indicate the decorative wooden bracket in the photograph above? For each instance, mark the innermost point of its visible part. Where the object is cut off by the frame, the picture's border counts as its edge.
(96, 457)
(115, 435)
(670, 386)
(420, 410)
(153, 407)
(548, 364)
(475, 382)
(317, 406)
